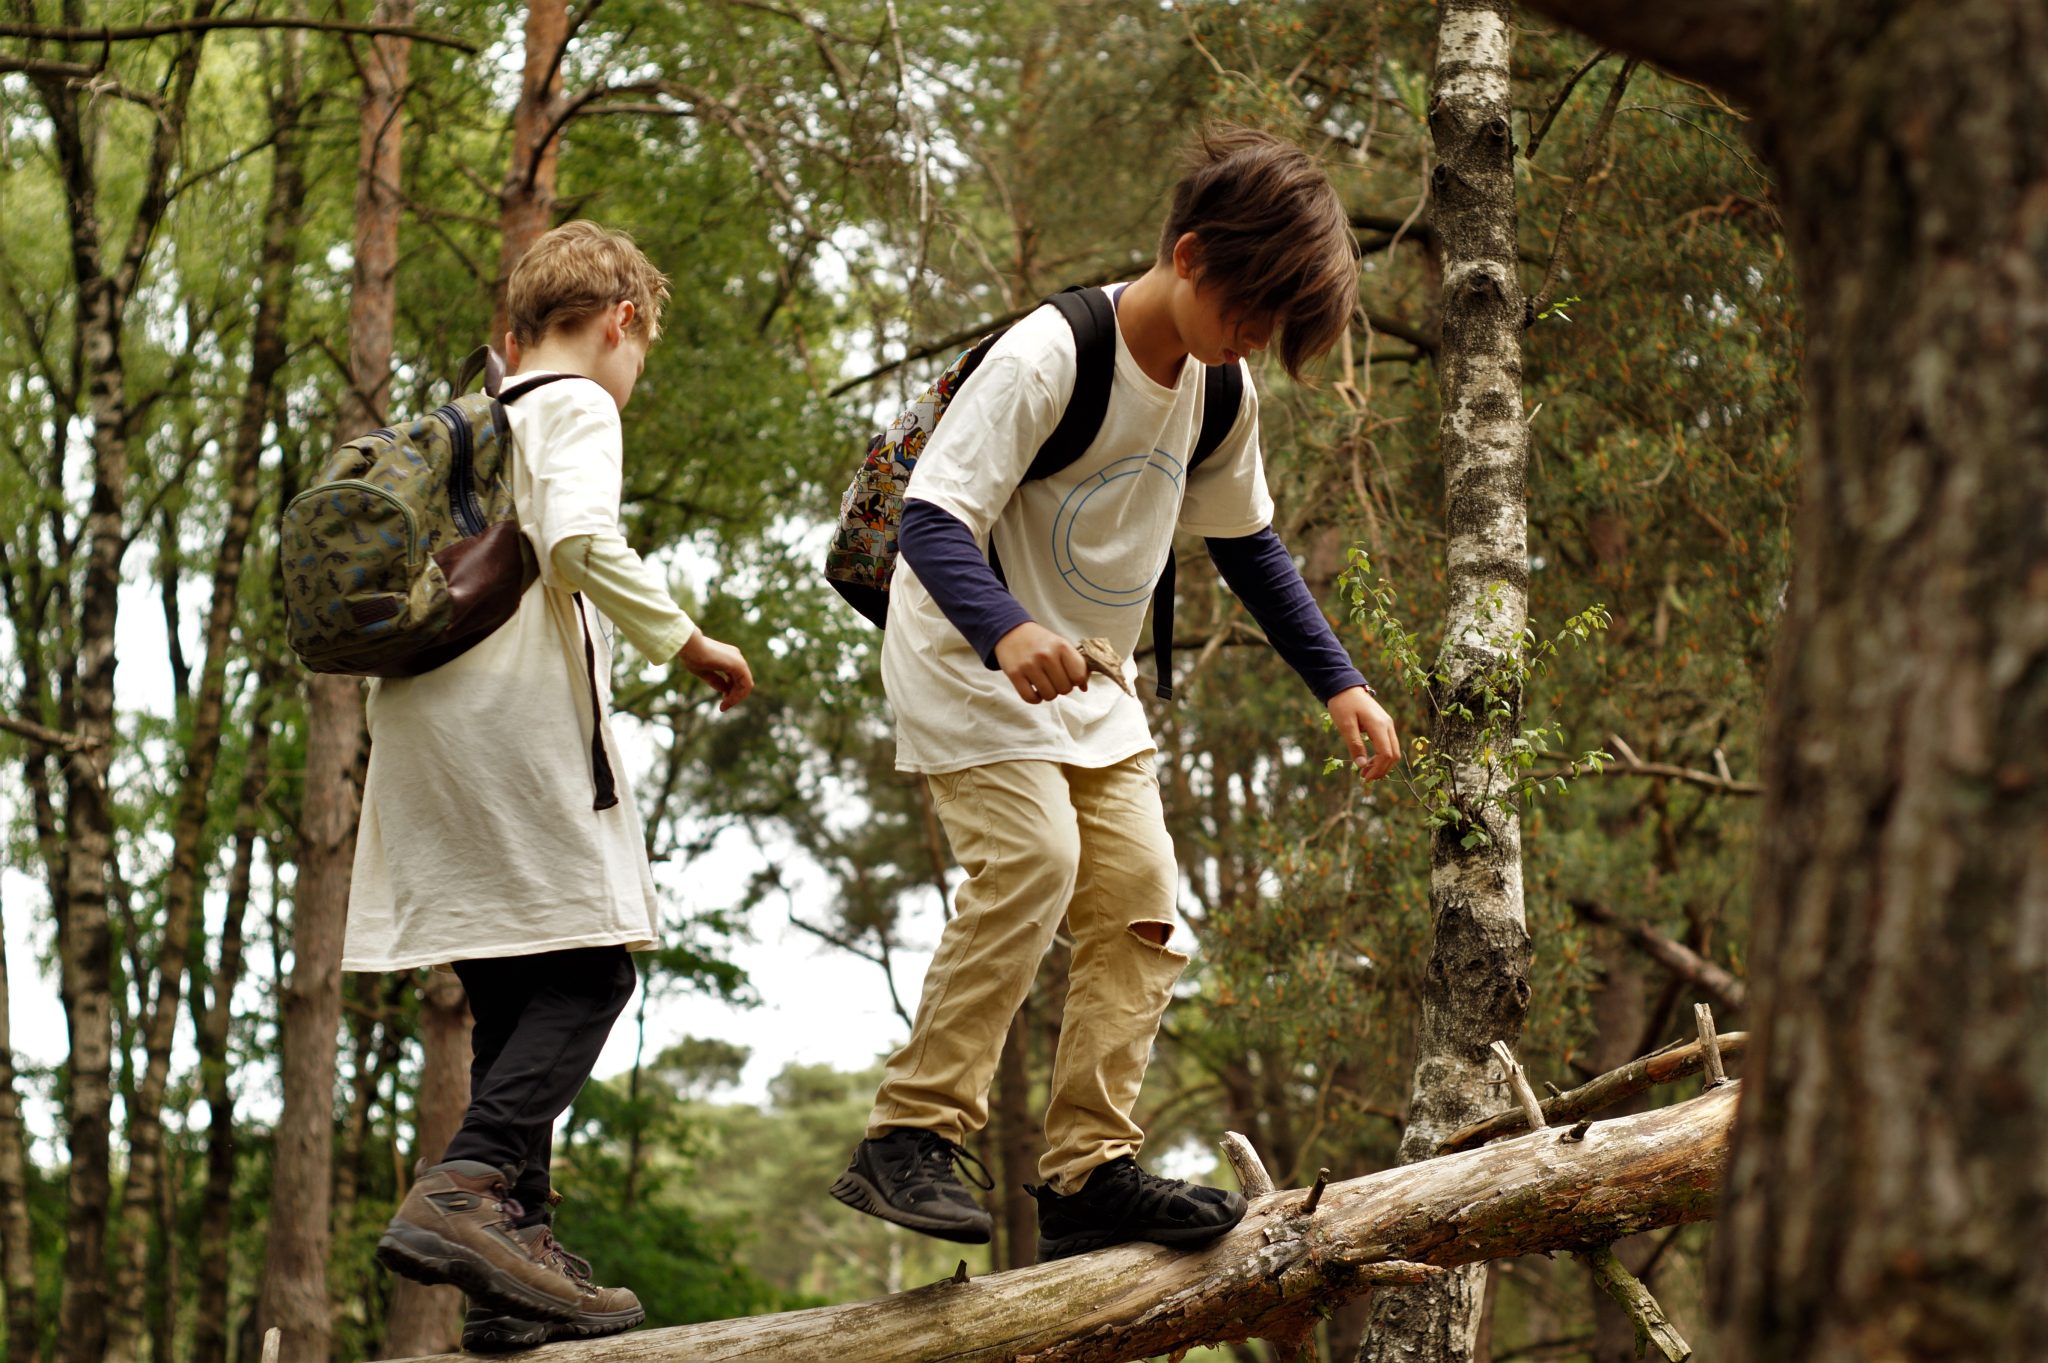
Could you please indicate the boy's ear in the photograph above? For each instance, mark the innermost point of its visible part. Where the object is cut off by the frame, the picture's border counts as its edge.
(511, 352)
(621, 319)
(1187, 256)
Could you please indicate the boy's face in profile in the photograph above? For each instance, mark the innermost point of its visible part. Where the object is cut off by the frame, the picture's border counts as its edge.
(619, 368)
(1213, 332)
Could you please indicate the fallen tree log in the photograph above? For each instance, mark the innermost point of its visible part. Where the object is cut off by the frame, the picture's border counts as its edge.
(1273, 1276)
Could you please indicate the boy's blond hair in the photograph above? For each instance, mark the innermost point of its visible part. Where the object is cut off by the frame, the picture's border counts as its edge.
(575, 272)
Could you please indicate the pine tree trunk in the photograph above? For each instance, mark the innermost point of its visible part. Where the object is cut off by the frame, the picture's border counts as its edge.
(423, 1319)
(1017, 1142)
(1476, 990)
(295, 1293)
(526, 203)
(1887, 1197)
(212, 1016)
(1901, 930)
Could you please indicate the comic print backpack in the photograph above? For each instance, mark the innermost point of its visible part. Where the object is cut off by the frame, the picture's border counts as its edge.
(404, 552)
(861, 559)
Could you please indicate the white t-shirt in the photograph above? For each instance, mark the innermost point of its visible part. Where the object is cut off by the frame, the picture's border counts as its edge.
(477, 836)
(1081, 550)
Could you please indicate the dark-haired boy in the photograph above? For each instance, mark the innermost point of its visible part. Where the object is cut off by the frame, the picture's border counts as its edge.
(1047, 788)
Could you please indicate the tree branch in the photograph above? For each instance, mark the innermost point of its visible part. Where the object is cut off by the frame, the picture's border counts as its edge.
(1675, 1061)
(78, 33)
(1563, 96)
(47, 737)
(965, 335)
(1725, 989)
(1594, 148)
(1719, 43)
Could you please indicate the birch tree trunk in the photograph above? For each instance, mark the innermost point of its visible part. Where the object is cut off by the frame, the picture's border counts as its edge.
(1476, 990)
(103, 289)
(1888, 1198)
(294, 1296)
(17, 1247)
(183, 882)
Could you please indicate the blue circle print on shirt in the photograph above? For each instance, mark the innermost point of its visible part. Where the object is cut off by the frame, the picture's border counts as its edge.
(1074, 511)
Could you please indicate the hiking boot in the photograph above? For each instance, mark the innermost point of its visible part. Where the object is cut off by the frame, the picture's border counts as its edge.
(605, 1310)
(906, 1175)
(1121, 1202)
(456, 1226)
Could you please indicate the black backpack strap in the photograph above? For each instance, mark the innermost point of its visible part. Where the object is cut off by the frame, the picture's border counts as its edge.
(604, 786)
(1222, 396)
(1093, 320)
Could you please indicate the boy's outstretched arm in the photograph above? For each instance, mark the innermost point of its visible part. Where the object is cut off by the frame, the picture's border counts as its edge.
(632, 596)
(941, 550)
(1262, 573)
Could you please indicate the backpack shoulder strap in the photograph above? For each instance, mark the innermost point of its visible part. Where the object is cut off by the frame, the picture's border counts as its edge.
(1222, 397)
(1093, 321)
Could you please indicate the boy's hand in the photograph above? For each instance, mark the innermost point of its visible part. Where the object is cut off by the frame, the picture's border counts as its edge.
(1360, 719)
(722, 666)
(1039, 663)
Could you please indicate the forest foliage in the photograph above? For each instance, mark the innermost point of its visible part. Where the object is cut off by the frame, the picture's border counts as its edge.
(843, 193)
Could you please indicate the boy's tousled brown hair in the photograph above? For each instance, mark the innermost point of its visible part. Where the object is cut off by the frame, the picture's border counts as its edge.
(575, 272)
(1272, 237)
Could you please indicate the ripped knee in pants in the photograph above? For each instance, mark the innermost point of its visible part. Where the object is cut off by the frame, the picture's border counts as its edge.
(1153, 932)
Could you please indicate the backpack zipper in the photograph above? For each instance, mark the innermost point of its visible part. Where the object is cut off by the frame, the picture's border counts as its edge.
(462, 502)
(412, 528)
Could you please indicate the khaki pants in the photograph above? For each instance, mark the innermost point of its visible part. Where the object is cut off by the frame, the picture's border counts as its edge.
(1038, 840)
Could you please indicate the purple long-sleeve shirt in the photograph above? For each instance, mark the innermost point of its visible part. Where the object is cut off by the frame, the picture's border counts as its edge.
(941, 550)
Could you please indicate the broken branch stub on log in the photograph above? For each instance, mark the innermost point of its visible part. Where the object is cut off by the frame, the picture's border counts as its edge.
(1710, 1045)
(1263, 1279)
(1246, 1164)
(1518, 1080)
(1675, 1061)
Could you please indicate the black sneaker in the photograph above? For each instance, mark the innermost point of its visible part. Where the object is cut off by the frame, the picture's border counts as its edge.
(1121, 1202)
(906, 1175)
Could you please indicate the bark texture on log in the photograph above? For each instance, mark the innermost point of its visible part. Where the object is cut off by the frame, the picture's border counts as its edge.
(1888, 1198)
(294, 1295)
(1268, 1277)
(1476, 990)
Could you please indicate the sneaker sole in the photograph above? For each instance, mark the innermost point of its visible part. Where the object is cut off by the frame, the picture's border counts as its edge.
(1067, 1246)
(419, 1254)
(514, 1336)
(859, 1194)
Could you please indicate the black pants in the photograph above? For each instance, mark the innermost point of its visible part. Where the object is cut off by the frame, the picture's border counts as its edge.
(541, 1022)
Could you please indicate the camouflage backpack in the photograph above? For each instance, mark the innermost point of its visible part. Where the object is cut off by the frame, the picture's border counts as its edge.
(404, 552)
(861, 560)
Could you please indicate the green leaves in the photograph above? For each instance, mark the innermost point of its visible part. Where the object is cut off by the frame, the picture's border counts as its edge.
(1485, 704)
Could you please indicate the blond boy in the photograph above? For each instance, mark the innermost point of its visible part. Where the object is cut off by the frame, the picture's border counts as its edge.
(481, 844)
